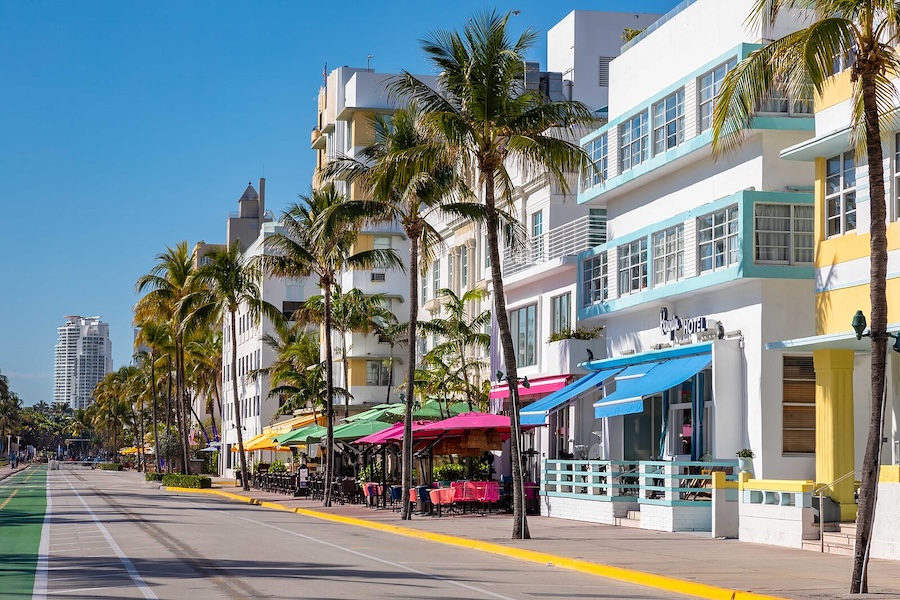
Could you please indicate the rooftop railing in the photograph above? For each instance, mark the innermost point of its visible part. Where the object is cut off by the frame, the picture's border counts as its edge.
(573, 237)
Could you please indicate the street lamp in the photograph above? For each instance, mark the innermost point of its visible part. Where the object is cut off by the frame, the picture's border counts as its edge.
(859, 327)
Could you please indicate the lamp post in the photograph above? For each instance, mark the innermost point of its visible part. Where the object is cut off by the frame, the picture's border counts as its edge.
(516, 427)
(859, 327)
(8, 445)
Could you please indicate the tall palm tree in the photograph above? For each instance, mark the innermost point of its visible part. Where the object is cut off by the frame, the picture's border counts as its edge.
(155, 335)
(167, 285)
(392, 333)
(204, 364)
(486, 118)
(10, 414)
(318, 240)
(42, 407)
(461, 334)
(225, 284)
(800, 63)
(409, 179)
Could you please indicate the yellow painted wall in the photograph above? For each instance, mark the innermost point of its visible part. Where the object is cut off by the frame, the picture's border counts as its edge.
(363, 130)
(838, 90)
(363, 242)
(357, 371)
(835, 309)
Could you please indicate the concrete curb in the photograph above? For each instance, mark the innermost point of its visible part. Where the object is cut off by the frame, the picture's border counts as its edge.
(650, 580)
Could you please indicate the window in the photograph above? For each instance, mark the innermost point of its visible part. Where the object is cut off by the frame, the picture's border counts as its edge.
(633, 143)
(840, 194)
(709, 85)
(522, 324)
(450, 282)
(598, 152)
(668, 255)
(381, 242)
(633, 267)
(436, 276)
(595, 280)
(377, 373)
(603, 72)
(668, 122)
(717, 236)
(537, 235)
(561, 313)
(784, 233)
(798, 405)
(424, 288)
(378, 275)
(843, 61)
(463, 267)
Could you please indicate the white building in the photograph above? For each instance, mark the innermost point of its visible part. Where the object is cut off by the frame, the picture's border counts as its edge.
(83, 356)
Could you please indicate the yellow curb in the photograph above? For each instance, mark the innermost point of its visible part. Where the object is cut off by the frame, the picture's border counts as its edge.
(660, 582)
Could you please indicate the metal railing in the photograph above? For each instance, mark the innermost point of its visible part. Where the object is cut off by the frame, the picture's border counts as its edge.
(820, 492)
(576, 236)
(659, 23)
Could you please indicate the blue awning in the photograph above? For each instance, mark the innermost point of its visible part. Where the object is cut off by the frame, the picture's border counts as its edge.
(536, 412)
(632, 388)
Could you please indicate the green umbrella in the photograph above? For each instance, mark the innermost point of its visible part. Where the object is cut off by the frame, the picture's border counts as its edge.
(376, 413)
(349, 432)
(433, 409)
(298, 437)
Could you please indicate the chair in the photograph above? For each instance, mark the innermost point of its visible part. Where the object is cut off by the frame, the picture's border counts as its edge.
(396, 497)
(424, 500)
(442, 497)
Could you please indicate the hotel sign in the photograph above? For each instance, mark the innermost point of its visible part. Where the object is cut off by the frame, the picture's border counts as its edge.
(671, 326)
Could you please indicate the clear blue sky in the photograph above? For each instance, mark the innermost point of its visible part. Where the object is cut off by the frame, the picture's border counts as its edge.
(128, 126)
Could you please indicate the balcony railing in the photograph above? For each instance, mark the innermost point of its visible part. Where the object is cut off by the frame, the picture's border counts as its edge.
(573, 237)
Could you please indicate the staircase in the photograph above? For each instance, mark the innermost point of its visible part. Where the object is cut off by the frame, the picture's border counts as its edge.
(632, 519)
(839, 538)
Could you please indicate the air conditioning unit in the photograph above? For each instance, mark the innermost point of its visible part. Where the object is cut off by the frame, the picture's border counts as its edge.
(377, 276)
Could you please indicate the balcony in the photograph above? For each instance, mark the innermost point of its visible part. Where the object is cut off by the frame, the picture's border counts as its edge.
(569, 239)
(316, 139)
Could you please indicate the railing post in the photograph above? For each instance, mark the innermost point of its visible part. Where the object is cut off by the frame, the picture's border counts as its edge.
(822, 520)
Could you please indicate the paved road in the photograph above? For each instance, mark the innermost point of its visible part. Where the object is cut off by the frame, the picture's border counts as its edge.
(21, 519)
(111, 538)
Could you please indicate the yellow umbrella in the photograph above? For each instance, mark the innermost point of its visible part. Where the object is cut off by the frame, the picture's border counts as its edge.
(252, 440)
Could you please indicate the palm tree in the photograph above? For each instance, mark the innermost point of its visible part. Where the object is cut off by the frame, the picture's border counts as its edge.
(204, 362)
(800, 63)
(488, 120)
(167, 284)
(461, 334)
(10, 414)
(225, 284)
(390, 332)
(409, 179)
(155, 335)
(42, 407)
(317, 239)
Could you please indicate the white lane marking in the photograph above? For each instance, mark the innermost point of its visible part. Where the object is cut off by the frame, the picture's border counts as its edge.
(375, 558)
(39, 591)
(108, 587)
(132, 572)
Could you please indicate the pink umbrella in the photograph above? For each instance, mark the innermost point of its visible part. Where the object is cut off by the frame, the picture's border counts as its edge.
(392, 434)
(467, 422)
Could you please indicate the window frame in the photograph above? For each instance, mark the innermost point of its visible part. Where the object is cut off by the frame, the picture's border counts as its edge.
(634, 141)
(561, 313)
(595, 279)
(842, 193)
(792, 234)
(463, 267)
(792, 404)
(704, 121)
(728, 237)
(382, 374)
(632, 266)
(666, 116)
(598, 150)
(663, 251)
(524, 342)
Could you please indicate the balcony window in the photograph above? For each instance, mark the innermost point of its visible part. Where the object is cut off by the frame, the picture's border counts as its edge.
(709, 85)
(598, 152)
(668, 122)
(377, 373)
(537, 236)
(784, 233)
(718, 242)
(595, 280)
(840, 194)
(634, 141)
(523, 326)
(668, 255)
(633, 267)
(561, 313)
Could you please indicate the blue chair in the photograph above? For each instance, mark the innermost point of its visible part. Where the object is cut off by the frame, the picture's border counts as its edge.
(424, 500)
(396, 497)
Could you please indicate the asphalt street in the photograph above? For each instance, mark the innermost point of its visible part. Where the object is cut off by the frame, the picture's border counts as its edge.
(109, 537)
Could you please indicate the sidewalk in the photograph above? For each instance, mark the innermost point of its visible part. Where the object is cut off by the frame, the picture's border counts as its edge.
(692, 559)
(5, 471)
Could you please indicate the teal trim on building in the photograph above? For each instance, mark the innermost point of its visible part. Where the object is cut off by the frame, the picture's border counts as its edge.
(746, 266)
(650, 356)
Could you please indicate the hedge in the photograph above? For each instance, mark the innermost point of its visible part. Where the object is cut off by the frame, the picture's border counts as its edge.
(110, 467)
(186, 481)
(154, 476)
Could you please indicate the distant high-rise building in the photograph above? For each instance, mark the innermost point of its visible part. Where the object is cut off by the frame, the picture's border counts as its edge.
(83, 357)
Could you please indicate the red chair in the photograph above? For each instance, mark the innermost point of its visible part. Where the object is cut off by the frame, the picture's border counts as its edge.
(442, 497)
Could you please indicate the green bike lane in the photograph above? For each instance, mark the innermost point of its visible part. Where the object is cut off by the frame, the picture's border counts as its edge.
(23, 502)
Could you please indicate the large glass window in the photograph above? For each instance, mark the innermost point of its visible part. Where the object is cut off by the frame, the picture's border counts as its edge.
(595, 280)
(377, 373)
(424, 287)
(633, 141)
(537, 235)
(436, 276)
(668, 122)
(668, 255)
(784, 233)
(798, 405)
(717, 236)
(840, 194)
(633, 267)
(561, 317)
(523, 325)
(709, 85)
(463, 266)
(599, 153)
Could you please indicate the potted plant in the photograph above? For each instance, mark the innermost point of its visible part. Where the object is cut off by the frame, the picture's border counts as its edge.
(572, 347)
(745, 459)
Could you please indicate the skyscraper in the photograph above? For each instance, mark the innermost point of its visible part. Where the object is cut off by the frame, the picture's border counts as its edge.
(83, 357)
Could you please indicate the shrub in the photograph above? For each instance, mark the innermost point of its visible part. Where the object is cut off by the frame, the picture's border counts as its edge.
(110, 467)
(153, 476)
(277, 466)
(186, 481)
(745, 453)
(449, 472)
(580, 333)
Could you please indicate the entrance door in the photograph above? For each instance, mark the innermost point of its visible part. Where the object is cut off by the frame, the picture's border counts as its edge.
(642, 431)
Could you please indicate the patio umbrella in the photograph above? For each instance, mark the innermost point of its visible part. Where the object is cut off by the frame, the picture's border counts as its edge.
(296, 434)
(393, 434)
(376, 413)
(432, 409)
(303, 436)
(349, 432)
(468, 422)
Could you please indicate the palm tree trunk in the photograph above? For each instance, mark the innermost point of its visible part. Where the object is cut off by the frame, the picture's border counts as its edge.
(462, 367)
(329, 395)
(407, 460)
(492, 223)
(168, 405)
(878, 298)
(184, 419)
(155, 422)
(346, 364)
(387, 399)
(237, 403)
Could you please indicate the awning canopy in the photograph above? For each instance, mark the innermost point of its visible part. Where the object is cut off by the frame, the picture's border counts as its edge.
(540, 385)
(638, 381)
(299, 437)
(536, 412)
(256, 438)
(349, 432)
